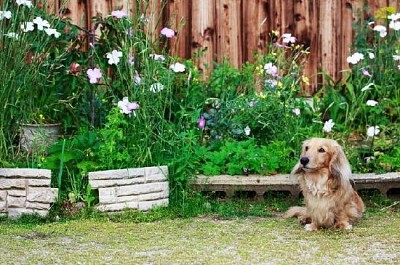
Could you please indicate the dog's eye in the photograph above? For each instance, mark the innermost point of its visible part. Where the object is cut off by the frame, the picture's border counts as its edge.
(321, 150)
(306, 148)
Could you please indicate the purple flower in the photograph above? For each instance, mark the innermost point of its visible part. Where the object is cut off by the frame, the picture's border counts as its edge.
(167, 32)
(119, 14)
(94, 75)
(202, 122)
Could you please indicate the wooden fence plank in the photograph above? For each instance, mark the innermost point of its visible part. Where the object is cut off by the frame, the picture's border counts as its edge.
(203, 34)
(255, 28)
(228, 21)
(306, 32)
(178, 18)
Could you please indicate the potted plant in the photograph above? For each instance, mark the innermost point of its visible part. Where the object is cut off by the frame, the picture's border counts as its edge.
(37, 52)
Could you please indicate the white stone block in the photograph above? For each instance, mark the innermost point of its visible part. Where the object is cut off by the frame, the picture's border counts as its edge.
(127, 173)
(156, 174)
(17, 193)
(18, 202)
(38, 182)
(107, 199)
(153, 196)
(147, 205)
(134, 189)
(12, 183)
(45, 195)
(17, 212)
(117, 206)
(102, 183)
(37, 206)
(25, 173)
(3, 206)
(3, 195)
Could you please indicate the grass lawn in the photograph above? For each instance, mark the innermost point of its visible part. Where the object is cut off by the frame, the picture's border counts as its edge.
(202, 240)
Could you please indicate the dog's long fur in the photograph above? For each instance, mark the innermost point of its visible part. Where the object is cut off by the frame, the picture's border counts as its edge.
(324, 176)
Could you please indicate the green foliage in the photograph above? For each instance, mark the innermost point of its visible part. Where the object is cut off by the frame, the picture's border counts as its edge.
(245, 157)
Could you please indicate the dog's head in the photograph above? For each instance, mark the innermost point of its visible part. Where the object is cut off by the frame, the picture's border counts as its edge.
(318, 154)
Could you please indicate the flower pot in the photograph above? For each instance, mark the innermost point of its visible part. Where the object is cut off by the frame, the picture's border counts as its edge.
(37, 137)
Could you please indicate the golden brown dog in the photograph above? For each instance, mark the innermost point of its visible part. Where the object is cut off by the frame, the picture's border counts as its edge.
(324, 176)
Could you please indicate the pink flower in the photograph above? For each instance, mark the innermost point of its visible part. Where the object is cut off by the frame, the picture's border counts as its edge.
(366, 73)
(127, 107)
(167, 32)
(119, 14)
(288, 38)
(94, 75)
(271, 69)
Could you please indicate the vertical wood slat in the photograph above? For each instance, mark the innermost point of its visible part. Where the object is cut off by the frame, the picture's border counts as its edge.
(228, 23)
(178, 18)
(255, 28)
(305, 12)
(204, 33)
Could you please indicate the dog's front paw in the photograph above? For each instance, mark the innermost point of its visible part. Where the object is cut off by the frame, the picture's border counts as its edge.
(310, 227)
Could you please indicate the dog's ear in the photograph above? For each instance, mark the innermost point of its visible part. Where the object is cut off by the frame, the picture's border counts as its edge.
(339, 166)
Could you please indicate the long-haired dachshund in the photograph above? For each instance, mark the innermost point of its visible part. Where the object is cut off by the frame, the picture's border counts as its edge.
(324, 176)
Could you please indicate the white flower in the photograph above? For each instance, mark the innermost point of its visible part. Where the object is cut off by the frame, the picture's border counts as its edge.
(288, 38)
(394, 16)
(177, 67)
(396, 57)
(372, 131)
(381, 29)
(137, 78)
(27, 26)
(328, 126)
(247, 130)
(156, 87)
(371, 55)
(52, 32)
(12, 35)
(355, 58)
(113, 57)
(372, 103)
(367, 87)
(296, 111)
(27, 3)
(394, 25)
(5, 14)
(127, 107)
(41, 24)
(157, 57)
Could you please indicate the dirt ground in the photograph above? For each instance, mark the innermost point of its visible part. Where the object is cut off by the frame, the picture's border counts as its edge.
(206, 240)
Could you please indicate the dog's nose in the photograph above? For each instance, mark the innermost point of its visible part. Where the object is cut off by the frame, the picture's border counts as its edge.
(304, 160)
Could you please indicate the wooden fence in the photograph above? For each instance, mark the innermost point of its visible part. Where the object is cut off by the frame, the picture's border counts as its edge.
(237, 28)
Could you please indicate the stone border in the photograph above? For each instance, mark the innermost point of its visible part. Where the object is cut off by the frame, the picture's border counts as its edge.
(132, 188)
(26, 191)
(260, 185)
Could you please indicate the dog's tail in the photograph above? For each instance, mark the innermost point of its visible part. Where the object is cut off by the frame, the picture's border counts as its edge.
(296, 211)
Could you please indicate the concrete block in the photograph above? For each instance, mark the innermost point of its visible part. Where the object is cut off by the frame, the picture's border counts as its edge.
(153, 196)
(17, 212)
